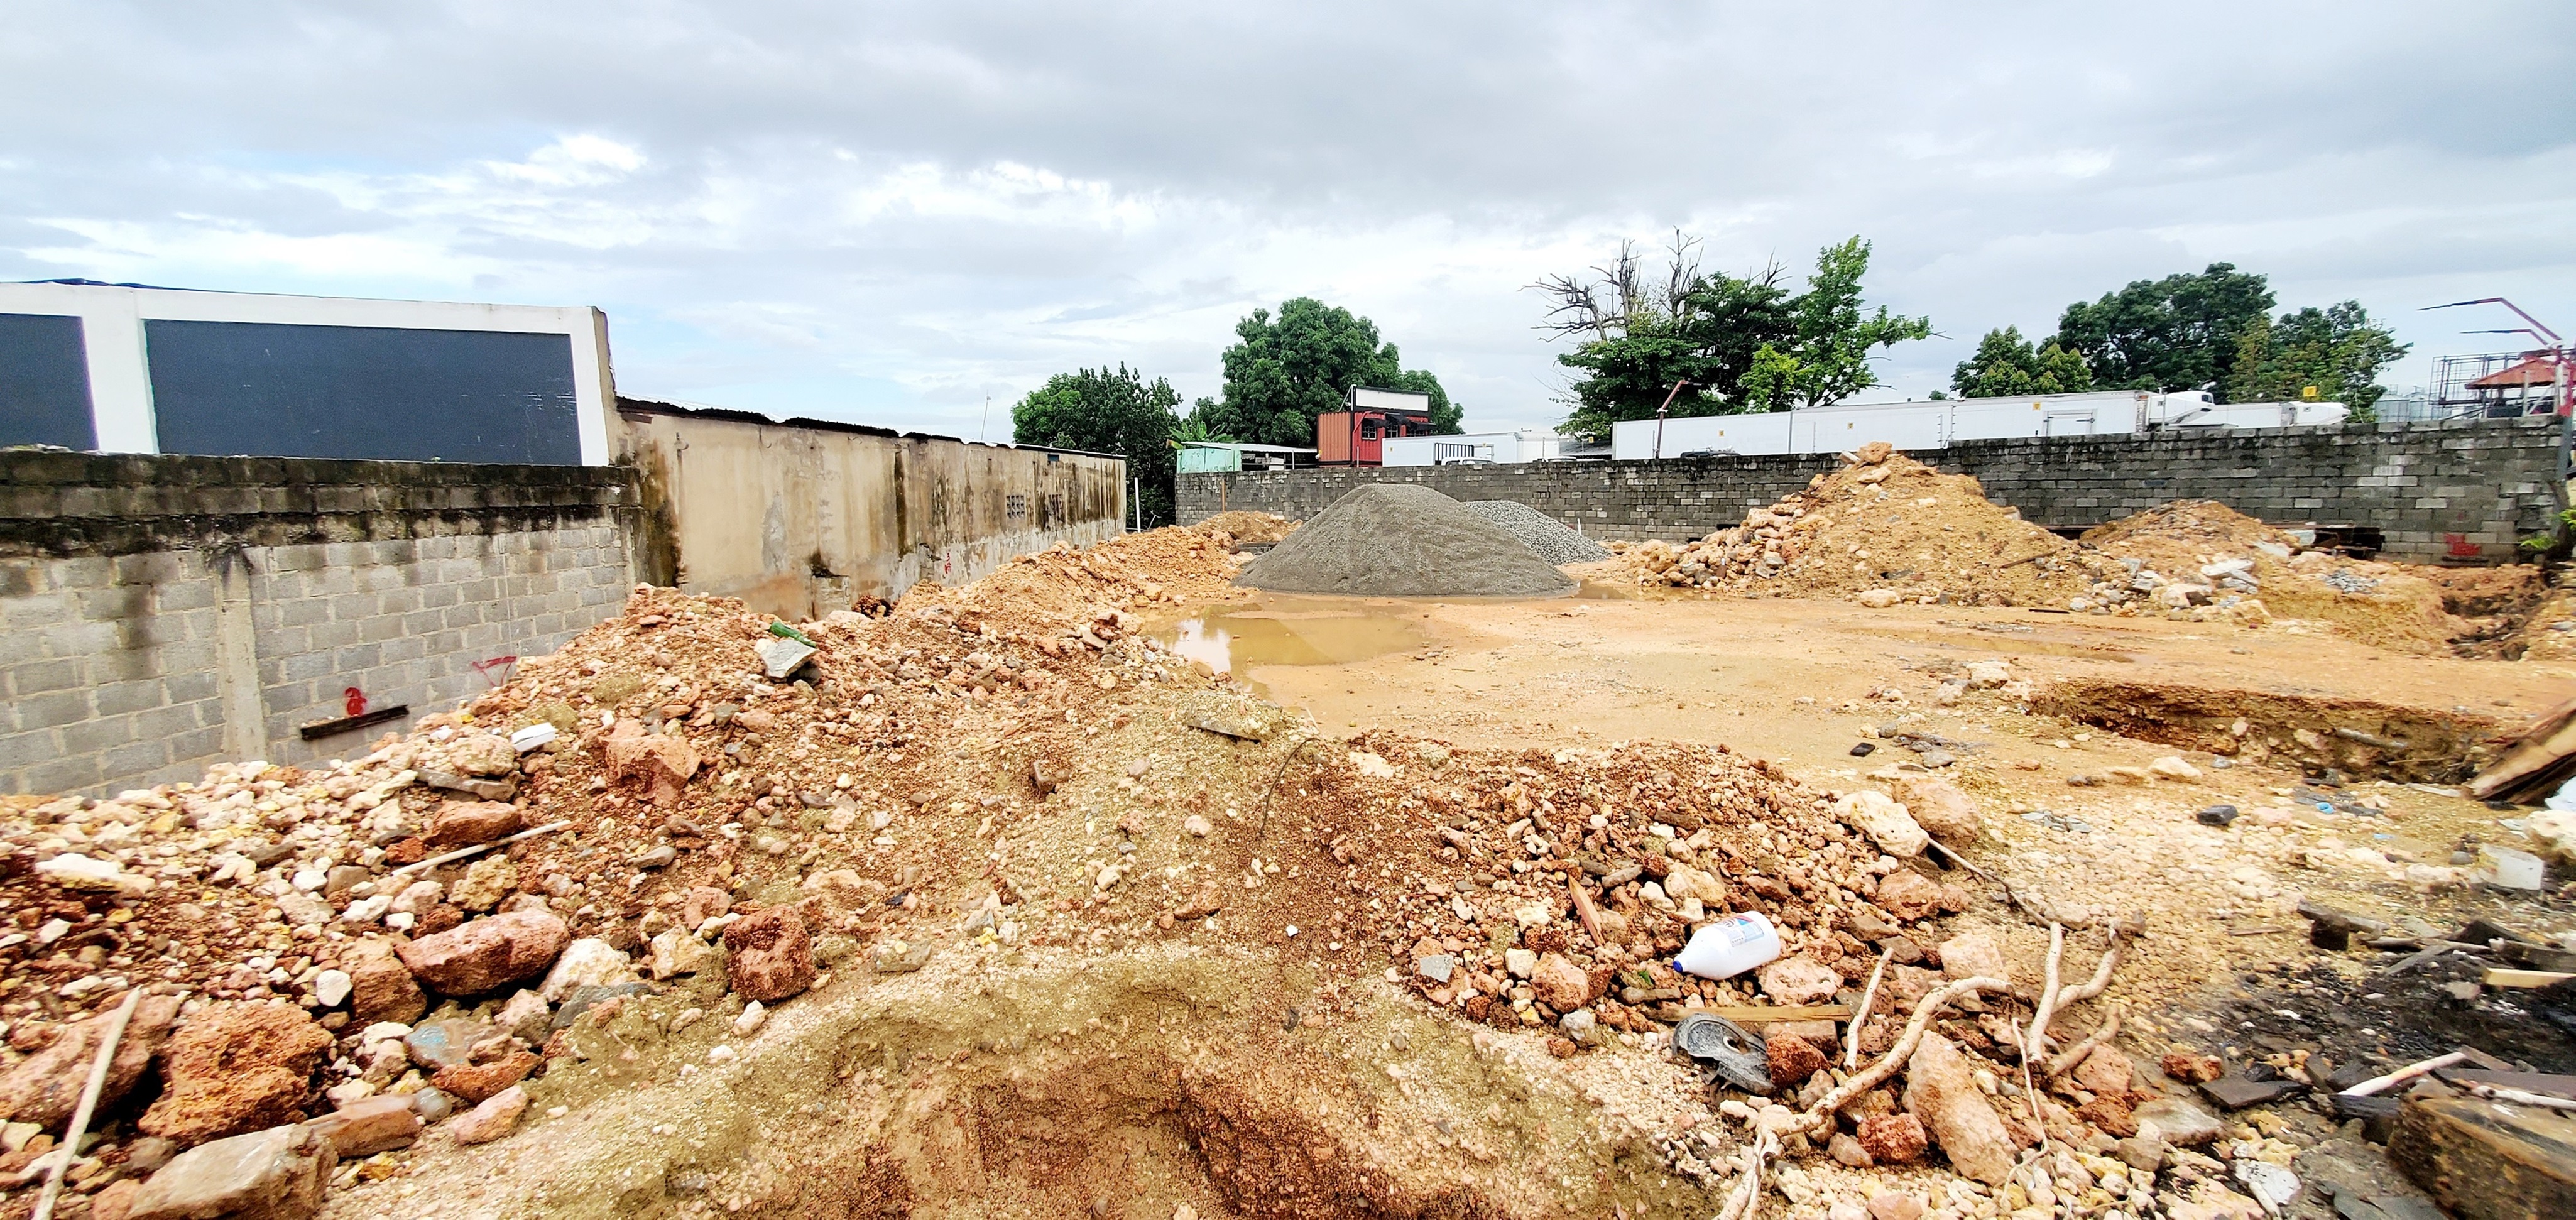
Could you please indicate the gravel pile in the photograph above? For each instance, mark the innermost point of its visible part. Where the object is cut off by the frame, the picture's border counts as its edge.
(1540, 532)
(1399, 540)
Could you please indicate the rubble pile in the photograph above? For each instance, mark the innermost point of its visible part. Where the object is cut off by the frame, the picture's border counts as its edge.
(1249, 528)
(622, 864)
(1404, 540)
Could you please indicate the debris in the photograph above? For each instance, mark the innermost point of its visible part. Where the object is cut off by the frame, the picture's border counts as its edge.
(2536, 764)
(486, 953)
(1941, 1093)
(235, 1068)
(1403, 540)
(276, 1174)
(2481, 1160)
(1739, 1056)
(101, 1066)
(1730, 946)
(782, 657)
(491, 1120)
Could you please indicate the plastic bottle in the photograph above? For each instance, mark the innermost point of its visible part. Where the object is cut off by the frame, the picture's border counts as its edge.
(1730, 946)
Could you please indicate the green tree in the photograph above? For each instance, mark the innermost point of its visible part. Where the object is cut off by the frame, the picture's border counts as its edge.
(2338, 350)
(2007, 366)
(1283, 372)
(1744, 343)
(2177, 333)
(1105, 412)
(1193, 427)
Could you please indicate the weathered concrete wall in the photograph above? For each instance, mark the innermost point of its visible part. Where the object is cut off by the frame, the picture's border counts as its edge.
(802, 518)
(162, 613)
(2432, 488)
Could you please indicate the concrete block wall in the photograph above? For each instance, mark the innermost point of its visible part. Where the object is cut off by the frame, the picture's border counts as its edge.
(2434, 489)
(163, 613)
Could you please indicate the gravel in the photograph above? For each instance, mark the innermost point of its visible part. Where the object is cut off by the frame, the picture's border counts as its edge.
(1400, 540)
(1539, 532)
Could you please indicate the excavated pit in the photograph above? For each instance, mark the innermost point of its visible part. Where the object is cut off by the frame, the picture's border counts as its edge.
(2360, 737)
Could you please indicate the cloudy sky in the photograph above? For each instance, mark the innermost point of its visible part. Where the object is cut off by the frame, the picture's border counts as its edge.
(889, 212)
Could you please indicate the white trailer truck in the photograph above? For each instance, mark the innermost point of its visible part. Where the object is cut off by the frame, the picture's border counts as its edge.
(1938, 423)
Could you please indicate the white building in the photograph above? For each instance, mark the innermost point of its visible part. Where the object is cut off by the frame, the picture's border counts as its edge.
(1918, 424)
(1475, 448)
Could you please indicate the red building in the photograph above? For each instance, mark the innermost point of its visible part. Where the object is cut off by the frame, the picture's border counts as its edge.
(1354, 437)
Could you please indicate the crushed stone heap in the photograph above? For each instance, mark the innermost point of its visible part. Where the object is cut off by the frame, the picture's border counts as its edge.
(1399, 540)
(1542, 534)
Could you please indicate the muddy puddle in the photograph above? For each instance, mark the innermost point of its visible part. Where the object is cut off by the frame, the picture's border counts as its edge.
(1293, 632)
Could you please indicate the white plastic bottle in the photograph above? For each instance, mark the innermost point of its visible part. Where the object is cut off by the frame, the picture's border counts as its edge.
(1730, 946)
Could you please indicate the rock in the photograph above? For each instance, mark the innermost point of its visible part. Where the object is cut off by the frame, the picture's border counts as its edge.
(705, 902)
(486, 953)
(1048, 774)
(45, 1087)
(1939, 807)
(444, 1043)
(1847, 1150)
(464, 824)
(527, 1017)
(486, 882)
(1684, 883)
(660, 857)
(1519, 962)
(276, 1174)
(676, 953)
(588, 962)
(1799, 980)
(449, 780)
(768, 955)
(417, 898)
(1878, 599)
(2216, 815)
(380, 986)
(657, 763)
(332, 986)
(1792, 1060)
(1893, 1139)
(1973, 955)
(752, 1018)
(582, 999)
(1908, 895)
(1941, 1093)
(115, 1201)
(491, 1120)
(2106, 1070)
(476, 1082)
(370, 1125)
(1198, 827)
(2191, 1068)
(1987, 675)
(149, 1154)
(2171, 766)
(432, 1105)
(1884, 821)
(780, 656)
(487, 755)
(74, 871)
(234, 1068)
(1560, 983)
(2144, 1153)
(1895, 1206)
(1437, 967)
(344, 878)
(304, 910)
(896, 956)
(2176, 1121)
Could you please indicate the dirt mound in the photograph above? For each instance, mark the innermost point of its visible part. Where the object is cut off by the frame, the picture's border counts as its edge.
(1400, 540)
(2356, 736)
(1882, 522)
(1249, 528)
(1542, 534)
(2206, 522)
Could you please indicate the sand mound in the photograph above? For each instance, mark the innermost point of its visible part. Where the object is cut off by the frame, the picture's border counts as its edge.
(1398, 540)
(1249, 528)
(1541, 533)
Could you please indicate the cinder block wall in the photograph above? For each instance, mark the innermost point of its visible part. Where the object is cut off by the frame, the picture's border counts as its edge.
(163, 613)
(2433, 489)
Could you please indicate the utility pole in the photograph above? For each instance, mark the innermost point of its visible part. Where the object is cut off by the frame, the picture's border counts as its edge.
(1661, 411)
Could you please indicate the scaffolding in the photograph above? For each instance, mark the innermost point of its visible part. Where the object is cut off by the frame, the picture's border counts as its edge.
(2502, 385)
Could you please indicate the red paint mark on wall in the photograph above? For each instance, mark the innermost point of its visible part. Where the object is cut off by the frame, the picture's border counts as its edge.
(355, 700)
(2460, 547)
(492, 665)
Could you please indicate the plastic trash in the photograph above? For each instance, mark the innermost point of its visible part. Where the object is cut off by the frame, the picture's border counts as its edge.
(1730, 946)
(531, 737)
(1738, 1054)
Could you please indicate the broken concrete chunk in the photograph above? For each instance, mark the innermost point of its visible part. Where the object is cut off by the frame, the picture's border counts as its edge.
(276, 1174)
(1884, 821)
(781, 657)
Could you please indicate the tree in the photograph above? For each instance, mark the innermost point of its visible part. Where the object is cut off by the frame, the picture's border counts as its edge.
(1105, 412)
(1744, 343)
(1193, 427)
(2177, 333)
(2337, 350)
(1281, 373)
(2006, 366)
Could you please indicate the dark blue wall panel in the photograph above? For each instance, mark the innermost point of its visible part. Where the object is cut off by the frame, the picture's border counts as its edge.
(44, 382)
(274, 390)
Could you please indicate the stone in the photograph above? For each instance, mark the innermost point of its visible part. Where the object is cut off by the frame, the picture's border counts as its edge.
(466, 823)
(1894, 1139)
(1989, 674)
(115, 1201)
(277, 1174)
(2192, 1068)
(2216, 815)
(1941, 1093)
(486, 882)
(1939, 807)
(768, 955)
(2238, 1092)
(2171, 766)
(45, 1088)
(752, 1018)
(660, 857)
(2144, 1153)
(2105, 1070)
(1884, 821)
(2176, 1121)
(780, 656)
(487, 755)
(491, 1120)
(450, 780)
(418, 898)
(444, 1042)
(344, 878)
(475, 1082)
(1799, 980)
(1974, 955)
(304, 910)
(1847, 1150)
(1684, 883)
(588, 962)
(657, 764)
(582, 999)
(370, 1125)
(1791, 1060)
(233, 1068)
(897, 956)
(74, 871)
(332, 986)
(526, 1017)
(1878, 599)
(1560, 983)
(1519, 962)
(1895, 1205)
(1908, 895)
(676, 952)
(478, 956)
(703, 903)
(380, 985)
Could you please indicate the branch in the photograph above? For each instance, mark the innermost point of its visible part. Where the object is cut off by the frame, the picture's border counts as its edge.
(1851, 1042)
(2109, 1029)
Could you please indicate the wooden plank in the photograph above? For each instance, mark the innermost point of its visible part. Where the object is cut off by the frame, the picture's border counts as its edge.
(2498, 976)
(2529, 1082)
(2485, 1160)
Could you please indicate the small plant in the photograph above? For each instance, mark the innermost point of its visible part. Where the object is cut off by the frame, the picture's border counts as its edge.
(2542, 543)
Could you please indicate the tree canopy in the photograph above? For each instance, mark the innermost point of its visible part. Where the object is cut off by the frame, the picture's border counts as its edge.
(2177, 333)
(2337, 350)
(1744, 343)
(1282, 372)
(1106, 412)
(2007, 365)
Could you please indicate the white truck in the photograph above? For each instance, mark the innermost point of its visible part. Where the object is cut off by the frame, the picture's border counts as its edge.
(1918, 424)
